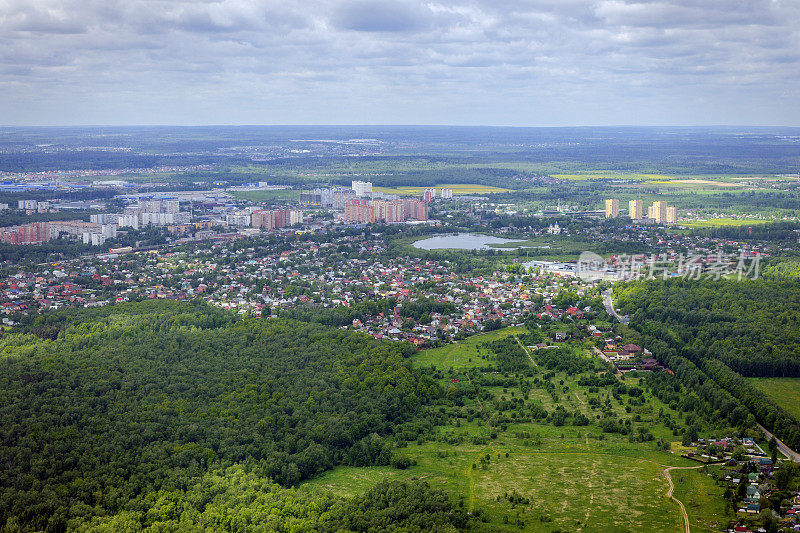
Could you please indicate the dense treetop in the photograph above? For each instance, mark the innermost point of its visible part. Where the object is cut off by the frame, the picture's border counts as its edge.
(135, 399)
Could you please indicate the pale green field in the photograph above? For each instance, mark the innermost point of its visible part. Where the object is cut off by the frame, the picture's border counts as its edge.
(612, 176)
(458, 188)
(716, 222)
(783, 391)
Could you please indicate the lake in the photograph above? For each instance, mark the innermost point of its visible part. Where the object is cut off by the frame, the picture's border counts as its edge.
(462, 241)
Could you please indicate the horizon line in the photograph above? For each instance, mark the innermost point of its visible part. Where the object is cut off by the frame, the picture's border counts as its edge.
(396, 125)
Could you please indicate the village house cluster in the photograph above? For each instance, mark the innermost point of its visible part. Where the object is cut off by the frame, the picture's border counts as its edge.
(340, 272)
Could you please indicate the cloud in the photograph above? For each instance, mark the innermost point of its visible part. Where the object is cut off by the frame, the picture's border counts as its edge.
(381, 16)
(359, 61)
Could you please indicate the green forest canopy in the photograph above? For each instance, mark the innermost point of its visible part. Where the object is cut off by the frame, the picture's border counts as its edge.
(135, 399)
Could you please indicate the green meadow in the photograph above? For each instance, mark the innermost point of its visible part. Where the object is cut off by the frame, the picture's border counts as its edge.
(539, 477)
(783, 391)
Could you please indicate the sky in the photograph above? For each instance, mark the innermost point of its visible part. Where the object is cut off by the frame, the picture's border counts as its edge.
(480, 62)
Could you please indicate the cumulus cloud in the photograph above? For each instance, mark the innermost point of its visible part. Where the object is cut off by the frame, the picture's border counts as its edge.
(387, 61)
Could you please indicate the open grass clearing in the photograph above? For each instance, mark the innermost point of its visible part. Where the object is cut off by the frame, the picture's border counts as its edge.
(573, 483)
(702, 498)
(463, 354)
(783, 391)
(570, 478)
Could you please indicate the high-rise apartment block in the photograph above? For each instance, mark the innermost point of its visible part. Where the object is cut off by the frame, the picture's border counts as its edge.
(369, 211)
(612, 208)
(334, 197)
(636, 209)
(362, 188)
(660, 211)
(35, 233)
(276, 218)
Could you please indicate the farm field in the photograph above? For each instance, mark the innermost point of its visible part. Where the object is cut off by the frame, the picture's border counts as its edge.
(612, 176)
(783, 391)
(458, 188)
(535, 476)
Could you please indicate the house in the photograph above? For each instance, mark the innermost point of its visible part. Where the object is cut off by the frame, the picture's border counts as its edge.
(753, 494)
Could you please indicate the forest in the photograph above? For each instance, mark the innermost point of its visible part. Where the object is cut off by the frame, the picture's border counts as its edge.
(752, 326)
(712, 333)
(114, 406)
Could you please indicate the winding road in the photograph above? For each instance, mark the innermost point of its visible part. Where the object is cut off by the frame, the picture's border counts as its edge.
(671, 489)
(610, 307)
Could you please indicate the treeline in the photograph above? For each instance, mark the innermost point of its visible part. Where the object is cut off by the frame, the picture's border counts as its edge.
(564, 360)
(771, 416)
(773, 232)
(131, 400)
(341, 316)
(238, 500)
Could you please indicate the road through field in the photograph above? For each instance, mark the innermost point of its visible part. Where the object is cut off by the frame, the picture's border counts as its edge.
(672, 488)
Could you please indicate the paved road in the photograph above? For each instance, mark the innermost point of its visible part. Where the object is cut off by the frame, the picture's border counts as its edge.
(610, 307)
(784, 449)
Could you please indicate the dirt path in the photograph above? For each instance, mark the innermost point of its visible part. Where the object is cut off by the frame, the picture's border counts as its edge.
(470, 487)
(480, 403)
(672, 489)
(527, 352)
(591, 487)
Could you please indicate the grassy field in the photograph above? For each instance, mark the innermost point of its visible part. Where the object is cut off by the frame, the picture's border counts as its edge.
(783, 391)
(260, 196)
(463, 354)
(573, 482)
(702, 498)
(716, 222)
(570, 478)
(458, 188)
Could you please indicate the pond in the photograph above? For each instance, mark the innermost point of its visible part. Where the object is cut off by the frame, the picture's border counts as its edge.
(462, 241)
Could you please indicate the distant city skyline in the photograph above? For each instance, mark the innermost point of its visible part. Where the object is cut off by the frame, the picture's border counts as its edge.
(332, 62)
